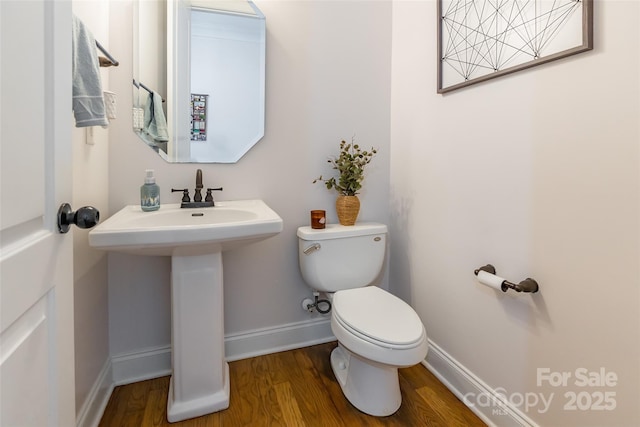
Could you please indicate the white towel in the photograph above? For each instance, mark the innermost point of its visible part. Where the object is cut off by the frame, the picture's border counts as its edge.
(88, 104)
(155, 122)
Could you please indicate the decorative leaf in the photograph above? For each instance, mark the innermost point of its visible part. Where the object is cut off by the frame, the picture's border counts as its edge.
(350, 165)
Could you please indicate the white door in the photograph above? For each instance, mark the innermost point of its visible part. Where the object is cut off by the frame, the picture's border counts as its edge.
(36, 275)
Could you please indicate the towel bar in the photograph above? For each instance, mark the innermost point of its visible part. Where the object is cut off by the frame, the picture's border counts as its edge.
(111, 59)
(141, 85)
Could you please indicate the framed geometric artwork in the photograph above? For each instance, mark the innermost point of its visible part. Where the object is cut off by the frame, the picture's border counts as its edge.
(480, 40)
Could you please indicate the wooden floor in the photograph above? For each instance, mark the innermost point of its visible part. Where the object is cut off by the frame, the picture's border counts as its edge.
(292, 388)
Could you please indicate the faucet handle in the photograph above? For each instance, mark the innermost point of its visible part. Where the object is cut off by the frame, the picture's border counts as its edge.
(185, 194)
(209, 197)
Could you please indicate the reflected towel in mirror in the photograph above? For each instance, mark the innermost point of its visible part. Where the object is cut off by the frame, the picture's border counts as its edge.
(155, 122)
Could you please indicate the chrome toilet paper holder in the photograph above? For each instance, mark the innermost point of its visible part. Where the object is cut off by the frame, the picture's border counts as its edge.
(527, 285)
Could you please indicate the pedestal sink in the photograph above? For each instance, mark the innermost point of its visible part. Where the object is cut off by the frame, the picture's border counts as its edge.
(195, 240)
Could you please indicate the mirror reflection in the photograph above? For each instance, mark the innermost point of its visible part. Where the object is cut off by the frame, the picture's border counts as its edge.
(198, 78)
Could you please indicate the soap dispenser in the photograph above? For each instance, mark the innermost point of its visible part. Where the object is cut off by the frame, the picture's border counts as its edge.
(150, 193)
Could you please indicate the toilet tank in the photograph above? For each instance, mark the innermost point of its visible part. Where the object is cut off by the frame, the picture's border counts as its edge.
(341, 257)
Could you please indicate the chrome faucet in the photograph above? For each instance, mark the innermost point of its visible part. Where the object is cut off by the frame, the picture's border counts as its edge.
(197, 197)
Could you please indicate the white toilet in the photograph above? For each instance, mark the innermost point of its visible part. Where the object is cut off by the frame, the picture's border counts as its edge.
(377, 332)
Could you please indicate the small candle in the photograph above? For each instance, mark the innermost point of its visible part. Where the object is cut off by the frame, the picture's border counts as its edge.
(318, 219)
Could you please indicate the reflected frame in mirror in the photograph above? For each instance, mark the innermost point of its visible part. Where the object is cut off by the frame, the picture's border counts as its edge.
(235, 120)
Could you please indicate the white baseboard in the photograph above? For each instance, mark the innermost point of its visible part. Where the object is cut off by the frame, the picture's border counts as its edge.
(463, 382)
(141, 365)
(276, 339)
(156, 362)
(96, 402)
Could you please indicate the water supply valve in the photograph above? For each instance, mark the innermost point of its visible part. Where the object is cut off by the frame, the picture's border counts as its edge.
(322, 306)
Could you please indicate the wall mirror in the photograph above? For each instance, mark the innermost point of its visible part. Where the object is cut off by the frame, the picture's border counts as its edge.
(199, 78)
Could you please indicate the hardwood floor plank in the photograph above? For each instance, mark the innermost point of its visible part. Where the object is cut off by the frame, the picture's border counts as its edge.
(244, 404)
(440, 407)
(320, 356)
(295, 388)
(115, 408)
(288, 405)
(211, 420)
(430, 389)
(155, 413)
(271, 411)
(253, 401)
(279, 371)
(316, 404)
(138, 394)
(414, 409)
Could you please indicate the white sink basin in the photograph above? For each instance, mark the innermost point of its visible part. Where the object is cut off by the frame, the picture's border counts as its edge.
(172, 230)
(195, 239)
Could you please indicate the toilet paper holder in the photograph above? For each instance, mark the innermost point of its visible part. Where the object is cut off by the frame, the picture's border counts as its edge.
(527, 285)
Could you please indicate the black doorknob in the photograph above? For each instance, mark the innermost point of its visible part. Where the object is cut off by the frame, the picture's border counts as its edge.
(85, 217)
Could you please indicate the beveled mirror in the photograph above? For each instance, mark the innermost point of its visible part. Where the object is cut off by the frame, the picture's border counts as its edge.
(199, 78)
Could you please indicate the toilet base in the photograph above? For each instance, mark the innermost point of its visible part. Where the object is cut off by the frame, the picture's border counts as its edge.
(371, 387)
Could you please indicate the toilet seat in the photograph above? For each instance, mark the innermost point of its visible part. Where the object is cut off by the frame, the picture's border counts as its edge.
(378, 317)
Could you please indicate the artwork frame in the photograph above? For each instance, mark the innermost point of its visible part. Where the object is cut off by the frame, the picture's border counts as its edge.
(198, 116)
(480, 40)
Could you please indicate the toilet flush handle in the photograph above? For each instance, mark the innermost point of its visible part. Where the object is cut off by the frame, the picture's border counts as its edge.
(311, 249)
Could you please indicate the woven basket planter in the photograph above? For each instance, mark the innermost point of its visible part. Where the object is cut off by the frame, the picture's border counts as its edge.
(347, 208)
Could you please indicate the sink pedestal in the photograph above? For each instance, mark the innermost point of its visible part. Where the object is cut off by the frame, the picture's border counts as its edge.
(200, 380)
(195, 240)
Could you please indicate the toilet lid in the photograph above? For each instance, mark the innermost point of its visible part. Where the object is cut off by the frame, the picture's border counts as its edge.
(379, 315)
